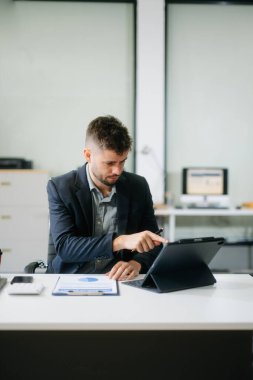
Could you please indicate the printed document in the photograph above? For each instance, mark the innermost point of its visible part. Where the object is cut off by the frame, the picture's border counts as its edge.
(85, 285)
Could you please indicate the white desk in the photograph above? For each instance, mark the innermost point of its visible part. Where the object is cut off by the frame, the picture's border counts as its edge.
(173, 213)
(180, 332)
(208, 308)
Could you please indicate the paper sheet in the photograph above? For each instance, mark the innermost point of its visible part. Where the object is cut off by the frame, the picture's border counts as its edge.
(85, 285)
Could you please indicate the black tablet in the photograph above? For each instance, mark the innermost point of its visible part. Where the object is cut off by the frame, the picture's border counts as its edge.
(181, 265)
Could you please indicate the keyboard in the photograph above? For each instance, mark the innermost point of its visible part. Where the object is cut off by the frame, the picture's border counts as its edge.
(194, 207)
(135, 283)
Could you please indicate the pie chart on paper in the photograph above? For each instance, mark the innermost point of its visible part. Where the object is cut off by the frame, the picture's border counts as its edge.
(88, 279)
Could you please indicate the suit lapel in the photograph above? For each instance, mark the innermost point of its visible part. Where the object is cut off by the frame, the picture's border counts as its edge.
(122, 204)
(84, 196)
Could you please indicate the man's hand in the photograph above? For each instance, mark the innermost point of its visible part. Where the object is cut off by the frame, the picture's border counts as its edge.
(141, 242)
(124, 270)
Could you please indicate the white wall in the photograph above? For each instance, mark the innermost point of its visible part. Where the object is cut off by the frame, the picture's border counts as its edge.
(210, 92)
(61, 65)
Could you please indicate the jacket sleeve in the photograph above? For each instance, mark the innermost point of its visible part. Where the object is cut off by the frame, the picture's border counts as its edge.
(72, 244)
(146, 221)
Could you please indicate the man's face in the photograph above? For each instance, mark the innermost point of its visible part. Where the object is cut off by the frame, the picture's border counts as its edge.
(105, 166)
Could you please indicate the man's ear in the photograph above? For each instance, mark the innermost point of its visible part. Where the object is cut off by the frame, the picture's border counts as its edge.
(87, 154)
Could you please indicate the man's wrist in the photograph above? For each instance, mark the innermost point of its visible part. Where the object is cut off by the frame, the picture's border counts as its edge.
(117, 244)
(136, 265)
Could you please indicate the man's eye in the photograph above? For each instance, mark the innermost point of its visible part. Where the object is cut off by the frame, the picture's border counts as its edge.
(114, 163)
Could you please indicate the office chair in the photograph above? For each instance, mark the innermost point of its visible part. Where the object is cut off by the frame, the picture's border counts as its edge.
(51, 253)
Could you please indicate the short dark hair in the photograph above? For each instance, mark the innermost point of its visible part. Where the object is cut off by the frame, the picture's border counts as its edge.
(109, 133)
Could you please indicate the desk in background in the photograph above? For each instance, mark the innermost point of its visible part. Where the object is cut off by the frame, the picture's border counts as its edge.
(230, 260)
(171, 214)
(202, 333)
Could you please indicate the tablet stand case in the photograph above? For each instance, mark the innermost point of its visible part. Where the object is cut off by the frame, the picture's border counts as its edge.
(185, 278)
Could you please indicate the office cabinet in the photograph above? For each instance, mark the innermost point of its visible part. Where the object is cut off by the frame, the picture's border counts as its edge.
(235, 225)
(23, 218)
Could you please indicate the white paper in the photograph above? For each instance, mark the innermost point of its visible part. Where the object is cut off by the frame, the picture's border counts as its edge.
(72, 285)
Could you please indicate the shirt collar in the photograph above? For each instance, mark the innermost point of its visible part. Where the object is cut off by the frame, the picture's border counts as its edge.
(92, 186)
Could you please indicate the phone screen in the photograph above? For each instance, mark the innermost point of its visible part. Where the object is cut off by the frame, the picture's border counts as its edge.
(22, 279)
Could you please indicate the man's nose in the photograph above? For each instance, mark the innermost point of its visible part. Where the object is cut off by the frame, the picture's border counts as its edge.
(117, 169)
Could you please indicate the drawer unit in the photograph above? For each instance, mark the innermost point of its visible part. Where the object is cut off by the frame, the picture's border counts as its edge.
(24, 221)
(21, 220)
(23, 187)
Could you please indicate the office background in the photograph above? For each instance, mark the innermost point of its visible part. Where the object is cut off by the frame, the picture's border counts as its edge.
(178, 75)
(63, 63)
(210, 92)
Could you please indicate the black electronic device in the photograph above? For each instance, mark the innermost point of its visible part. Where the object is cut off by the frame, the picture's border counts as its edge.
(181, 265)
(205, 187)
(205, 181)
(3, 281)
(14, 163)
(22, 279)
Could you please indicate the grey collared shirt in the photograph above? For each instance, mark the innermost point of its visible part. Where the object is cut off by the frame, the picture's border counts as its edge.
(104, 209)
(104, 221)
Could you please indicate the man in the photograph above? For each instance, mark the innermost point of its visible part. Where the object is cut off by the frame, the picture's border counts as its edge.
(101, 217)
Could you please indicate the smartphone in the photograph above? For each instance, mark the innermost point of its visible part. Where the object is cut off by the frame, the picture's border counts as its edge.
(22, 279)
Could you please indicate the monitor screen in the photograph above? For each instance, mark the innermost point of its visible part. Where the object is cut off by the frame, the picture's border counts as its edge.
(204, 181)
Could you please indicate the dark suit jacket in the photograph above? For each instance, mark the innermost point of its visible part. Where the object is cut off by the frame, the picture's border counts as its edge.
(71, 221)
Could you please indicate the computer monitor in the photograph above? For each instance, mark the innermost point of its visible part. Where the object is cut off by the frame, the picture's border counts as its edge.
(205, 181)
(205, 186)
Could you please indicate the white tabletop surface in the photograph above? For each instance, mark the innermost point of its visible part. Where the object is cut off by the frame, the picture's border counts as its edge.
(228, 305)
